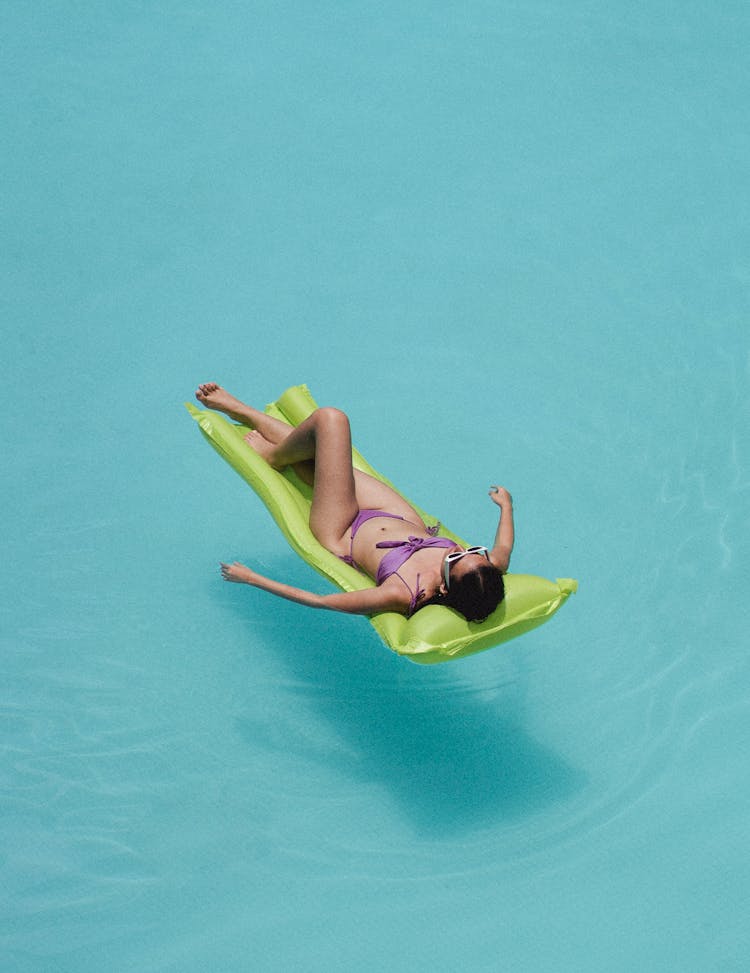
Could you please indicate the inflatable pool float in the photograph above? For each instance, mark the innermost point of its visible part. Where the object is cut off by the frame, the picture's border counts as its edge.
(433, 634)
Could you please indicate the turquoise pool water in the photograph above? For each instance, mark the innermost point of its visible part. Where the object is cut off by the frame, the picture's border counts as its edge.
(511, 241)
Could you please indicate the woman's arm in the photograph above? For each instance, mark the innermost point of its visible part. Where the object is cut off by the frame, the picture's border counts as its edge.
(505, 535)
(369, 601)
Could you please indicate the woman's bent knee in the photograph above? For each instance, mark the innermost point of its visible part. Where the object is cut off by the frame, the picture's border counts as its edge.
(332, 416)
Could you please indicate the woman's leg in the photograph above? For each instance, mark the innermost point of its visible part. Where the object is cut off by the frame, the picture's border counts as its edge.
(325, 439)
(319, 449)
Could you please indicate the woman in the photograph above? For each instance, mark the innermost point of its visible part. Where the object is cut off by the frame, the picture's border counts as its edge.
(367, 524)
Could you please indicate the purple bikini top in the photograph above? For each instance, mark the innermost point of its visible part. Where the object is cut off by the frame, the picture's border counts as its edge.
(402, 551)
(400, 554)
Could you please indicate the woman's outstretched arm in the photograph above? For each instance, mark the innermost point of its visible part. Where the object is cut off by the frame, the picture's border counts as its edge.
(369, 601)
(505, 535)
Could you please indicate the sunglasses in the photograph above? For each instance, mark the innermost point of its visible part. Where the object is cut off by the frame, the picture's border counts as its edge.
(456, 556)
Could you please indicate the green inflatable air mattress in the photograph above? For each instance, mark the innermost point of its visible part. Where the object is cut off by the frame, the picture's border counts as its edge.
(433, 634)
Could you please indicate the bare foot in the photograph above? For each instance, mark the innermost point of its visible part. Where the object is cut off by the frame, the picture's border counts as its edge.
(261, 446)
(215, 397)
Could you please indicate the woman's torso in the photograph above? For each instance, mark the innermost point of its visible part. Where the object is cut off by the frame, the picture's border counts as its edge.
(401, 554)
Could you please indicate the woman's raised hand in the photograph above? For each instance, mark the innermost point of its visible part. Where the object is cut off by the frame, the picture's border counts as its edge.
(500, 496)
(238, 573)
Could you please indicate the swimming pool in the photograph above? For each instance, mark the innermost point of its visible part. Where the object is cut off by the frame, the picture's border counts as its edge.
(514, 231)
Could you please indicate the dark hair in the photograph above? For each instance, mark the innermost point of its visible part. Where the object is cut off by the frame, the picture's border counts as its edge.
(477, 593)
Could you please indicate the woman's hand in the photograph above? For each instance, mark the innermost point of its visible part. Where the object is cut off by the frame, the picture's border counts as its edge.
(238, 573)
(500, 496)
